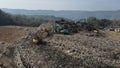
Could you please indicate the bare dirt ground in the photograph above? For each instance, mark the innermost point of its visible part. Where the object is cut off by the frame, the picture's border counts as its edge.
(63, 51)
(113, 35)
(11, 33)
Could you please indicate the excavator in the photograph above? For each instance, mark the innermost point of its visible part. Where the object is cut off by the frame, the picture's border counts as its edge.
(39, 36)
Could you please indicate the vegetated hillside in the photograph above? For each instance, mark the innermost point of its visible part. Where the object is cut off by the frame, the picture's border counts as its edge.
(68, 14)
(24, 20)
(5, 19)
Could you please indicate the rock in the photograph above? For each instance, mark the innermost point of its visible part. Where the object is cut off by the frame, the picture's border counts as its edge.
(1, 64)
(26, 29)
(2, 42)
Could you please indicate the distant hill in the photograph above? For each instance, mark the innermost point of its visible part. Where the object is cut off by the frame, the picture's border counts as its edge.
(68, 14)
(6, 19)
(24, 20)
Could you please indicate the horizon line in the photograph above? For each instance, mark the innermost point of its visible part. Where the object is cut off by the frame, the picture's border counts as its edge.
(57, 10)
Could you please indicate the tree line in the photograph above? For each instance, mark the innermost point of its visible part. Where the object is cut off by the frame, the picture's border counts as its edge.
(101, 23)
(23, 20)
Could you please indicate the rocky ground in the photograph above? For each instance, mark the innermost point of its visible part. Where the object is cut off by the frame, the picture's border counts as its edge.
(62, 51)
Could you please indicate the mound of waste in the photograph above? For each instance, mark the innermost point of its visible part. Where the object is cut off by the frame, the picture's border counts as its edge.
(62, 51)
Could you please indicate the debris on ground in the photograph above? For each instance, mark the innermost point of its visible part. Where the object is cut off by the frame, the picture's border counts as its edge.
(62, 51)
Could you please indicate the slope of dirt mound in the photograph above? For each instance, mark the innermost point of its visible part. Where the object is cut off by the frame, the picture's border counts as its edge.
(63, 51)
(95, 52)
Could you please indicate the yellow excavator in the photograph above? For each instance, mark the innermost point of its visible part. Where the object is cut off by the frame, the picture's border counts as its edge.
(39, 36)
(95, 31)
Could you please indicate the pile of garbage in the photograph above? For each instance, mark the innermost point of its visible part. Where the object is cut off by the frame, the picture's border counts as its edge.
(62, 51)
(65, 27)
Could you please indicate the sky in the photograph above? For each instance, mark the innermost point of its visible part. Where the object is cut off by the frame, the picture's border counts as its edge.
(89, 5)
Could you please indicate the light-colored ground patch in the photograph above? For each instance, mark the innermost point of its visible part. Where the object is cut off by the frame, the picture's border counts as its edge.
(113, 35)
(11, 34)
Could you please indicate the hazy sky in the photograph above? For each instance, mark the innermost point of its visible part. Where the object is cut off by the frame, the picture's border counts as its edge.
(90, 5)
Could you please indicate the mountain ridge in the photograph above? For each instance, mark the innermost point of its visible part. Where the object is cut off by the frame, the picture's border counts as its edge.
(70, 14)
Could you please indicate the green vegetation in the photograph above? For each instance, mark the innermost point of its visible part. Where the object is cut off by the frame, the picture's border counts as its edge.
(23, 20)
(36, 20)
(103, 23)
(99, 23)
